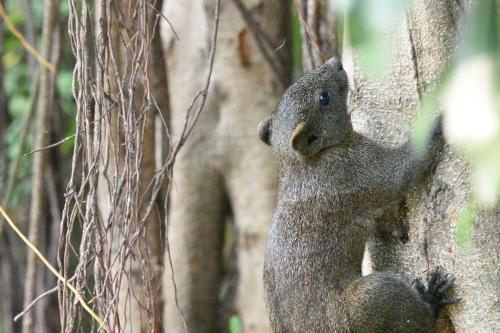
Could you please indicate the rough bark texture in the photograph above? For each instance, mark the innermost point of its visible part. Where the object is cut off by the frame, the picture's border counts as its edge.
(384, 110)
(140, 306)
(223, 168)
(159, 88)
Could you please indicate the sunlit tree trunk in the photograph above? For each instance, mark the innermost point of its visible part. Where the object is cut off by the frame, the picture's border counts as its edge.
(140, 305)
(223, 171)
(424, 235)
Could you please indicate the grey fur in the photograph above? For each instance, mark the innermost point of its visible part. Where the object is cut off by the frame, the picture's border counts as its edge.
(333, 182)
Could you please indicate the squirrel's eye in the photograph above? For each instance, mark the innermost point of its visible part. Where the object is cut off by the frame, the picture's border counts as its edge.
(324, 98)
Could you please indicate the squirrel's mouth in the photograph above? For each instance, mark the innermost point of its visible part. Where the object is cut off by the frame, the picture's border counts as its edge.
(311, 138)
(304, 141)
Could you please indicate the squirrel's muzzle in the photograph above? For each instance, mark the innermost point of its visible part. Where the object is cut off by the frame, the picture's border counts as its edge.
(302, 140)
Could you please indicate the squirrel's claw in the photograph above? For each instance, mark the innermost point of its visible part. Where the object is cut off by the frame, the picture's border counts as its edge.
(437, 286)
(445, 302)
(445, 284)
(420, 287)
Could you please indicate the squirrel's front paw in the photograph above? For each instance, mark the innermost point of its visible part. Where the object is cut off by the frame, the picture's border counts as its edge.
(437, 285)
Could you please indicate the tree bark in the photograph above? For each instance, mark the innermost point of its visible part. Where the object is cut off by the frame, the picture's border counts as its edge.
(223, 171)
(424, 39)
(140, 305)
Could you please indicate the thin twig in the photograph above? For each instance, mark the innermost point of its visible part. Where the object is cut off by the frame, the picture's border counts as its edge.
(185, 133)
(283, 43)
(166, 20)
(51, 145)
(38, 299)
(33, 303)
(186, 130)
(55, 144)
(52, 268)
(44, 109)
(310, 34)
(111, 150)
(41, 59)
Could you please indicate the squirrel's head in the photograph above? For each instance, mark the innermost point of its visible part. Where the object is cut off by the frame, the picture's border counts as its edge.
(312, 114)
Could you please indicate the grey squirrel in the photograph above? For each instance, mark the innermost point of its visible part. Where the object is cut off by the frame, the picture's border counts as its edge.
(332, 182)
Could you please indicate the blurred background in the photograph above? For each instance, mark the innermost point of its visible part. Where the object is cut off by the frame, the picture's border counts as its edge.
(129, 153)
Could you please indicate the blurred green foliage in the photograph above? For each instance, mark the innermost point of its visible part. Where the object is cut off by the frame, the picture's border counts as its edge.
(477, 53)
(17, 84)
(367, 27)
(235, 324)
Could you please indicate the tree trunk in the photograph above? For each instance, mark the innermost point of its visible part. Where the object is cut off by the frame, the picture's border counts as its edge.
(223, 170)
(384, 110)
(140, 306)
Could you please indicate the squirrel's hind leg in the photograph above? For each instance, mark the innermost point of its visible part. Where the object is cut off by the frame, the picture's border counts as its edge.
(384, 302)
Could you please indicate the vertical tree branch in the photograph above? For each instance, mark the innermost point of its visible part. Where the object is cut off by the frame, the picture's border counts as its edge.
(3, 115)
(5, 267)
(37, 210)
(30, 32)
(321, 31)
(306, 12)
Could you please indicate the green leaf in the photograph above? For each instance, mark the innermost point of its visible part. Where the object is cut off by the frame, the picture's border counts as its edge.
(235, 324)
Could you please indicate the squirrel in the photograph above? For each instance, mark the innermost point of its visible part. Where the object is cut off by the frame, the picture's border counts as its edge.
(333, 182)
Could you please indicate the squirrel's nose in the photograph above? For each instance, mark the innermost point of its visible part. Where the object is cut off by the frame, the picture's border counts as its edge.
(336, 63)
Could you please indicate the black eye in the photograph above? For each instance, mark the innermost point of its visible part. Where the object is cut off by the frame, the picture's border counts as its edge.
(324, 98)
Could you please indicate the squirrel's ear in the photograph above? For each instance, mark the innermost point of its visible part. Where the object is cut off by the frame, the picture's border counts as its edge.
(264, 130)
